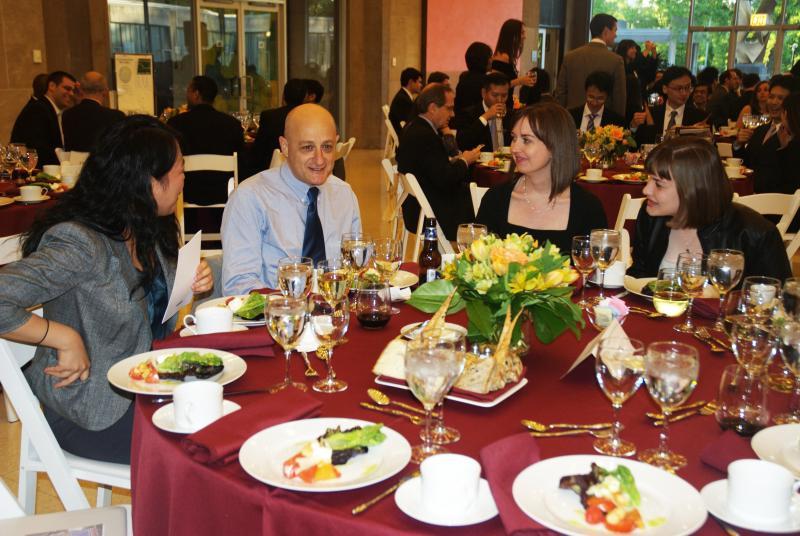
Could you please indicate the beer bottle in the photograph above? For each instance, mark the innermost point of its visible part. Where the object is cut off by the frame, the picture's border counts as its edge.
(429, 258)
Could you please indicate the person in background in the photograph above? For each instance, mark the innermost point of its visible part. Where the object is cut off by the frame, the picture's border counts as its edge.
(542, 199)
(298, 209)
(710, 77)
(540, 91)
(85, 122)
(438, 77)
(789, 151)
(748, 86)
(272, 123)
(757, 103)
(478, 125)
(593, 56)
(506, 55)
(594, 113)
(699, 99)
(102, 262)
(314, 90)
(470, 82)
(39, 86)
(689, 208)
(723, 98)
(402, 110)
(640, 69)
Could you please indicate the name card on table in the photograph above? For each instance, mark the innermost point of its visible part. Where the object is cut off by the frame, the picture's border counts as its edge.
(614, 330)
(188, 260)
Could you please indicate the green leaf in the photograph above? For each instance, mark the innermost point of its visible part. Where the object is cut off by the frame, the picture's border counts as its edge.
(628, 484)
(481, 319)
(430, 296)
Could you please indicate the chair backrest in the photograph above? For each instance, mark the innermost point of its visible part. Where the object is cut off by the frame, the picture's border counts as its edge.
(208, 162)
(393, 214)
(385, 109)
(10, 248)
(277, 159)
(476, 193)
(628, 210)
(343, 149)
(392, 141)
(411, 185)
(9, 507)
(784, 205)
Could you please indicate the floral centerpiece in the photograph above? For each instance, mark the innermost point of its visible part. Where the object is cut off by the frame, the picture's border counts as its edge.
(613, 140)
(495, 275)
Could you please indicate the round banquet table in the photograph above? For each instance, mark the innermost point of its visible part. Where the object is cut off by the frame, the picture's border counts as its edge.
(17, 218)
(172, 494)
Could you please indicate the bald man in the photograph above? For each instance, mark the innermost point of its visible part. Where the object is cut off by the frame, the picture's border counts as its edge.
(298, 209)
(84, 123)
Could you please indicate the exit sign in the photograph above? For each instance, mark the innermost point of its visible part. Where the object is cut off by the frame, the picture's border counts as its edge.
(758, 19)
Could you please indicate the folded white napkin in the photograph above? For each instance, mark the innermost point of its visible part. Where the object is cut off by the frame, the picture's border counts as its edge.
(399, 294)
(614, 330)
(308, 341)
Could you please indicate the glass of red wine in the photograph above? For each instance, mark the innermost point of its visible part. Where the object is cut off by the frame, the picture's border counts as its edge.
(373, 304)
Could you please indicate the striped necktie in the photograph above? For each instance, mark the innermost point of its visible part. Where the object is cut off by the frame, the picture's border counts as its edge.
(590, 125)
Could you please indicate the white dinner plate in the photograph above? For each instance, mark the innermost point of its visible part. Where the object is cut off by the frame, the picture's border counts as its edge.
(715, 496)
(234, 368)
(407, 330)
(262, 455)
(42, 199)
(221, 302)
(164, 417)
(185, 332)
(592, 179)
(408, 498)
(779, 444)
(627, 178)
(404, 278)
(5, 201)
(670, 505)
(636, 285)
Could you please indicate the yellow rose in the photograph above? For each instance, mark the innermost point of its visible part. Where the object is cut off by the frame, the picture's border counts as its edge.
(479, 250)
(501, 257)
(554, 278)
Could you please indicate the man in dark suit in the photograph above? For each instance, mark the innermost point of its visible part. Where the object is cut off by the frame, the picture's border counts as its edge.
(402, 110)
(486, 123)
(272, 123)
(594, 113)
(724, 98)
(38, 125)
(84, 123)
(423, 154)
(676, 85)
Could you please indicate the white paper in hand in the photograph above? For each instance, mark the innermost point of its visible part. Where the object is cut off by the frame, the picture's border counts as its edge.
(188, 261)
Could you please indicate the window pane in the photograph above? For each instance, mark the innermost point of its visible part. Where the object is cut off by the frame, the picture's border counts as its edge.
(709, 49)
(261, 60)
(218, 46)
(755, 52)
(792, 12)
(748, 8)
(791, 49)
(713, 13)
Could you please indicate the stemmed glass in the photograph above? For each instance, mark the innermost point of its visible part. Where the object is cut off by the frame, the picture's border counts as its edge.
(790, 298)
(387, 258)
(618, 368)
(760, 296)
(725, 269)
(789, 343)
(431, 369)
(468, 233)
(295, 276)
(330, 322)
(334, 279)
(584, 262)
(752, 344)
(28, 159)
(285, 317)
(605, 247)
(592, 152)
(357, 249)
(670, 370)
(692, 272)
(441, 434)
(668, 298)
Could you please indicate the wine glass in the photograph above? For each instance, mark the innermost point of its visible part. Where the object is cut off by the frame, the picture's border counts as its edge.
(789, 344)
(790, 297)
(668, 297)
(592, 152)
(295, 276)
(752, 344)
(387, 257)
(605, 247)
(618, 367)
(28, 159)
(285, 317)
(725, 269)
(330, 322)
(468, 233)
(584, 262)
(357, 249)
(750, 121)
(373, 304)
(670, 373)
(760, 296)
(692, 272)
(441, 434)
(334, 279)
(431, 368)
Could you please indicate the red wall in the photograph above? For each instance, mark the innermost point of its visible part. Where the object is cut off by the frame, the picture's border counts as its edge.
(453, 24)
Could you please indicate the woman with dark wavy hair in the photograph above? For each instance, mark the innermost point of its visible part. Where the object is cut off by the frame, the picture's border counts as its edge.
(509, 46)
(102, 262)
(470, 82)
(756, 104)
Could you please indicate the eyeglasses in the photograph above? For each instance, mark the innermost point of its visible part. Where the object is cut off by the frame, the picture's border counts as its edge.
(681, 89)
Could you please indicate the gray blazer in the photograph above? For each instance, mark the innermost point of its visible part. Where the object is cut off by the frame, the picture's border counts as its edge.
(84, 280)
(580, 63)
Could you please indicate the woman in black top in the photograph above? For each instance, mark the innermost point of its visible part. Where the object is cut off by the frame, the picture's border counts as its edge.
(542, 199)
(470, 82)
(506, 55)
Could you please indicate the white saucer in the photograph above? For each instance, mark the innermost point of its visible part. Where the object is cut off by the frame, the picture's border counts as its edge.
(409, 499)
(779, 444)
(593, 179)
(164, 418)
(19, 199)
(236, 327)
(715, 496)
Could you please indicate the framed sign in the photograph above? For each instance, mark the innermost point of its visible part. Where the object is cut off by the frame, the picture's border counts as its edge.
(135, 84)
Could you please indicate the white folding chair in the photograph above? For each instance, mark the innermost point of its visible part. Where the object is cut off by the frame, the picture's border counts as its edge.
(277, 159)
(628, 210)
(10, 251)
(343, 149)
(783, 205)
(476, 193)
(412, 187)
(385, 109)
(393, 214)
(39, 450)
(392, 141)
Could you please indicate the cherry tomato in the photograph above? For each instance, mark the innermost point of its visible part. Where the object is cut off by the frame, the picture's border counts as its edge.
(594, 515)
(605, 505)
(626, 524)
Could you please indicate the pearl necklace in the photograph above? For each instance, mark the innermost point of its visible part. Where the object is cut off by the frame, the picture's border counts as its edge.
(550, 205)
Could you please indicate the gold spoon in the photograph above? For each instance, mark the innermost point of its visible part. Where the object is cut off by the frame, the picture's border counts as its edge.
(682, 407)
(708, 409)
(541, 427)
(382, 399)
(596, 433)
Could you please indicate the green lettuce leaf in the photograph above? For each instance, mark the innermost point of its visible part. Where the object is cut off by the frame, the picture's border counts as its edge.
(366, 436)
(430, 296)
(627, 483)
(252, 307)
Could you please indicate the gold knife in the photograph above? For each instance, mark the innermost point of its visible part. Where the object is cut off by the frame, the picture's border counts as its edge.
(684, 407)
(363, 506)
(415, 419)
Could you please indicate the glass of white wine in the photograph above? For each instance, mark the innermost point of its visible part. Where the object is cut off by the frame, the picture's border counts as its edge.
(725, 270)
(761, 296)
(670, 373)
(468, 233)
(387, 257)
(285, 317)
(295, 276)
(330, 322)
(431, 369)
(584, 262)
(668, 297)
(692, 272)
(357, 249)
(619, 367)
(789, 343)
(605, 247)
(592, 152)
(334, 279)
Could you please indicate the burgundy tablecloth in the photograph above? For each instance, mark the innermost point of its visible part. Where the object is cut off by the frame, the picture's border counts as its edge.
(488, 177)
(17, 218)
(173, 494)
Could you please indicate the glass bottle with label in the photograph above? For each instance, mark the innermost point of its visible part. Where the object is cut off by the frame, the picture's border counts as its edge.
(429, 258)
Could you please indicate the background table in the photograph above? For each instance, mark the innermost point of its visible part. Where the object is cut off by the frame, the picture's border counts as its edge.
(172, 494)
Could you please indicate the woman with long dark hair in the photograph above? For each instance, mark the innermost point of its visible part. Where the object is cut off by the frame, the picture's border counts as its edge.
(757, 104)
(640, 70)
(102, 262)
(509, 46)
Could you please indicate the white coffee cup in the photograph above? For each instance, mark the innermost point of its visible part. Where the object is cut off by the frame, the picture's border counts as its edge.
(760, 491)
(614, 277)
(594, 173)
(209, 320)
(733, 172)
(197, 404)
(449, 484)
(32, 193)
(52, 170)
(486, 156)
(733, 162)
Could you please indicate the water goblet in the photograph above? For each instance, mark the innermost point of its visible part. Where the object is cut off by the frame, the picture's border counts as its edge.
(468, 233)
(440, 433)
(357, 249)
(387, 257)
(760, 296)
(592, 152)
(285, 317)
(692, 272)
(584, 262)
(295, 276)
(618, 368)
(789, 345)
(373, 304)
(605, 247)
(668, 297)
(330, 322)
(752, 344)
(725, 269)
(334, 279)
(29, 159)
(790, 298)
